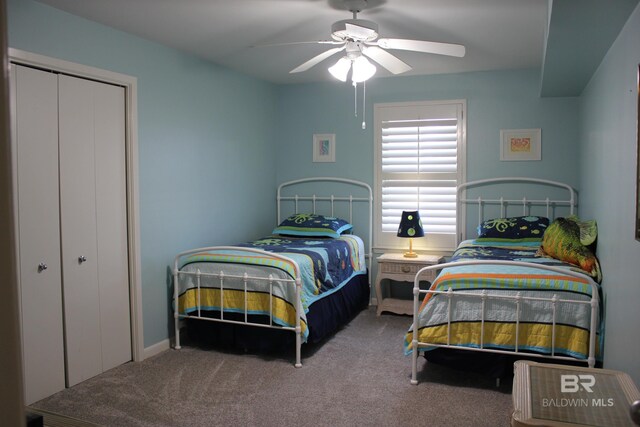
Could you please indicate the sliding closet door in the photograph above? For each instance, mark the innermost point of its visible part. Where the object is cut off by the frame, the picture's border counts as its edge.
(93, 225)
(35, 133)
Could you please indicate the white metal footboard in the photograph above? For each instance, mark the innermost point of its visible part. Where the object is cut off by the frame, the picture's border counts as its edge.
(518, 299)
(221, 276)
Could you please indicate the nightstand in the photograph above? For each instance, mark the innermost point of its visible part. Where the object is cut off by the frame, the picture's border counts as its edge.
(394, 266)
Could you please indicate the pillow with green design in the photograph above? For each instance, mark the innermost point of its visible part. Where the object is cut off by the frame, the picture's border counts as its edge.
(312, 225)
(562, 241)
(519, 228)
(588, 231)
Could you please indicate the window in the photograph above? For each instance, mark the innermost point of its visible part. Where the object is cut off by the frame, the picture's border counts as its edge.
(419, 160)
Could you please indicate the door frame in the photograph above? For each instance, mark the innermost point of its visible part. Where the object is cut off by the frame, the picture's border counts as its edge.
(130, 84)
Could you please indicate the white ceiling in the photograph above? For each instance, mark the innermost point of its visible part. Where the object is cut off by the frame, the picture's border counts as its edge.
(498, 34)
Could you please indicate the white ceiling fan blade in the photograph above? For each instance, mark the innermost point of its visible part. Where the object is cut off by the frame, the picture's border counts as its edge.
(317, 59)
(449, 49)
(294, 43)
(387, 60)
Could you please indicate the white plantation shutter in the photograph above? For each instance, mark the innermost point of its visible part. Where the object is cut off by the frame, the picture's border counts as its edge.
(418, 165)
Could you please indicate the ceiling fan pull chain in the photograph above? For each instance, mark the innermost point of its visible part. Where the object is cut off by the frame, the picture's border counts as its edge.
(355, 99)
(364, 97)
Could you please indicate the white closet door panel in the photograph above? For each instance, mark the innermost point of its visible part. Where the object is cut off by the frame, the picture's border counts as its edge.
(35, 127)
(78, 226)
(111, 203)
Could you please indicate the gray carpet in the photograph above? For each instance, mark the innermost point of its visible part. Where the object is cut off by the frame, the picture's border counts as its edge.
(359, 376)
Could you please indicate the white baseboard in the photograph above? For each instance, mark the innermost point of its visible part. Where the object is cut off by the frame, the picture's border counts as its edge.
(157, 348)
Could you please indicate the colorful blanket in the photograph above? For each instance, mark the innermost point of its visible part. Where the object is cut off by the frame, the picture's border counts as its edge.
(325, 266)
(536, 317)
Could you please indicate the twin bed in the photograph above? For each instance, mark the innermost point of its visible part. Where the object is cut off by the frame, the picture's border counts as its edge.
(306, 279)
(498, 294)
(511, 290)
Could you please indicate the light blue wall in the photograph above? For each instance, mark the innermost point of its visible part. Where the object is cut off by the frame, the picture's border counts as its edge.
(495, 100)
(205, 142)
(608, 156)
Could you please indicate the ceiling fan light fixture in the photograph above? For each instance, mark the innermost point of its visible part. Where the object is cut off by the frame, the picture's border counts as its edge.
(362, 70)
(340, 69)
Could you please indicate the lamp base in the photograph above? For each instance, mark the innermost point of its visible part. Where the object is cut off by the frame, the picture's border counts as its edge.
(410, 255)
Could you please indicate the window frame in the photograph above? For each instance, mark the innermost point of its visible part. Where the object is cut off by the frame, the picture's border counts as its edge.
(382, 242)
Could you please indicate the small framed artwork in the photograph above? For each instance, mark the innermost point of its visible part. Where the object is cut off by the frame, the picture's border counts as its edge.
(324, 147)
(520, 144)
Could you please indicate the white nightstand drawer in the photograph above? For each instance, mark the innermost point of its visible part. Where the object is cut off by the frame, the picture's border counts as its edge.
(388, 267)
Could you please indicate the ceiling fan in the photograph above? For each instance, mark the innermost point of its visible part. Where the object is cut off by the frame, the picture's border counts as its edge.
(359, 39)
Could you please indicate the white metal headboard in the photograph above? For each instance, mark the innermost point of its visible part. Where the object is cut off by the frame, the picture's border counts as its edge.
(333, 199)
(526, 203)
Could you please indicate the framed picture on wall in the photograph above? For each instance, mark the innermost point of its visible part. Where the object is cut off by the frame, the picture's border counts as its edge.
(324, 147)
(520, 144)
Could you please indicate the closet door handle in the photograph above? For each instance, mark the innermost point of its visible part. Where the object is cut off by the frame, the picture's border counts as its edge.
(82, 259)
(42, 267)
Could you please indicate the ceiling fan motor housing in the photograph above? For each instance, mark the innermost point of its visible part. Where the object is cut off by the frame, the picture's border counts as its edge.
(354, 30)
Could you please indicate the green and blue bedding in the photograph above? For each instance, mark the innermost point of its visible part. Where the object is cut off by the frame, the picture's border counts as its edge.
(326, 265)
(535, 325)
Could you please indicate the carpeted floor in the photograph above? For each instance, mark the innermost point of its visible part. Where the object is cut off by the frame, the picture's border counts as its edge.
(358, 377)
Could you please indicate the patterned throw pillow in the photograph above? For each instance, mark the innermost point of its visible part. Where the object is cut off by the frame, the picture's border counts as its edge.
(519, 228)
(562, 241)
(312, 225)
(588, 231)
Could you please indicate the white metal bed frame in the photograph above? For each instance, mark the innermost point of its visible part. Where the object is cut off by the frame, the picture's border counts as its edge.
(294, 281)
(518, 299)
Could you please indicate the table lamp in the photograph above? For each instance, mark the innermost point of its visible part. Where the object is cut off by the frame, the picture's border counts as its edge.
(410, 226)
